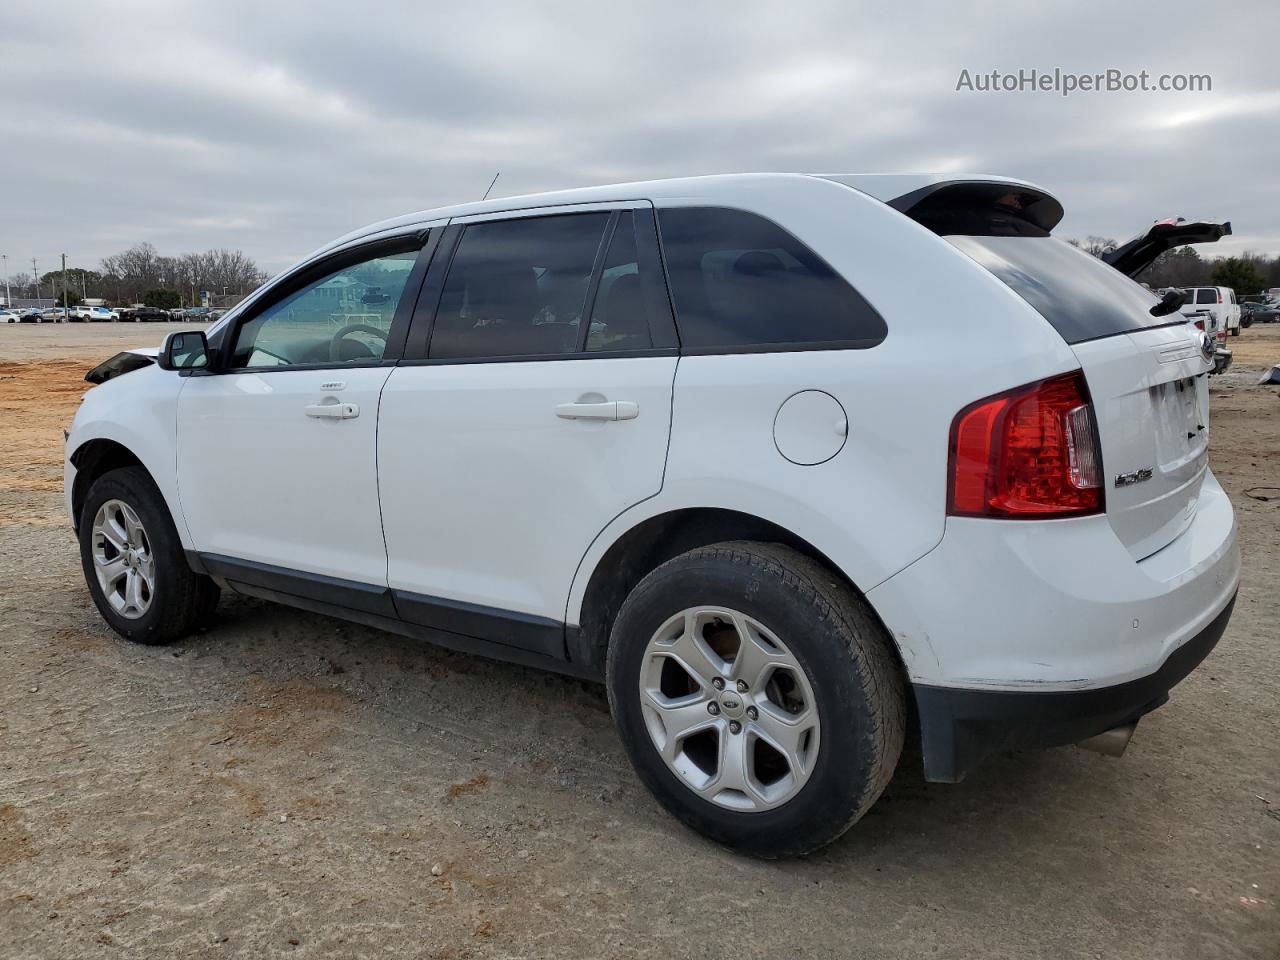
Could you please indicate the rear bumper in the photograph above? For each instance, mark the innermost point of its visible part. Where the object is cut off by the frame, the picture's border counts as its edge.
(959, 727)
(1026, 633)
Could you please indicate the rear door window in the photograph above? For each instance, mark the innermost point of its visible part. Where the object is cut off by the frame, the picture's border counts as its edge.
(518, 288)
(620, 317)
(740, 281)
(1206, 295)
(1081, 297)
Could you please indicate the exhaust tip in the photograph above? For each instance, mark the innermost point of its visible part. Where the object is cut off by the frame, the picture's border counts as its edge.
(1111, 742)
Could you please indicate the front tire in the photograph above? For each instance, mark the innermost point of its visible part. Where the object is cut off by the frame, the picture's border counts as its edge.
(757, 697)
(134, 563)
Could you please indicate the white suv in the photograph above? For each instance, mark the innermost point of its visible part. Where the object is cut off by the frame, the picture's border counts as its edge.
(704, 440)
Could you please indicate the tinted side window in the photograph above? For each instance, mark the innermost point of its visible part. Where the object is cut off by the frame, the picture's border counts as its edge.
(620, 317)
(1206, 295)
(738, 279)
(517, 287)
(342, 317)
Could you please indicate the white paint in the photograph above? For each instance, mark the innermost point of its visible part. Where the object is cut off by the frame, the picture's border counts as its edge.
(488, 493)
(810, 427)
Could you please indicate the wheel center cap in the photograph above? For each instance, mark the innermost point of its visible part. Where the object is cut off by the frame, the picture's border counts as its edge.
(732, 704)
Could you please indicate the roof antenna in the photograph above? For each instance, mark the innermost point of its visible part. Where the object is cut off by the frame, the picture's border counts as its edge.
(491, 183)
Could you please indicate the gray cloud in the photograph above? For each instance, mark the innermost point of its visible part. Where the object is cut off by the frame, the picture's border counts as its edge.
(274, 127)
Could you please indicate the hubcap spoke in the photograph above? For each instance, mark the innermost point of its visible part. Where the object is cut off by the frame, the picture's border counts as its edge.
(733, 768)
(754, 655)
(680, 719)
(110, 571)
(132, 527)
(787, 736)
(115, 533)
(696, 656)
(133, 591)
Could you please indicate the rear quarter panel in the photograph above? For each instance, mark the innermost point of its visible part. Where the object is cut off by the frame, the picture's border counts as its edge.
(955, 335)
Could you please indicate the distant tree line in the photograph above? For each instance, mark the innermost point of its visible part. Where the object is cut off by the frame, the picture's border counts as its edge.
(140, 274)
(1246, 274)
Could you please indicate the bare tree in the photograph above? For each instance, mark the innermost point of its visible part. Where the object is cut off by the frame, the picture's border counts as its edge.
(1094, 245)
(128, 274)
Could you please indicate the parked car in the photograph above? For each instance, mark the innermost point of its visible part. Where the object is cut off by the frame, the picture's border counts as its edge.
(30, 314)
(1259, 313)
(10, 316)
(1221, 302)
(53, 315)
(702, 440)
(196, 313)
(1134, 256)
(87, 313)
(140, 313)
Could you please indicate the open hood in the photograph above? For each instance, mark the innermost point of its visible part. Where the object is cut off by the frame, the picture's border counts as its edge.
(122, 363)
(1135, 256)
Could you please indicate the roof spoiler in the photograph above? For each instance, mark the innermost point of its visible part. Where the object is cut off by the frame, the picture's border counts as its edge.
(981, 208)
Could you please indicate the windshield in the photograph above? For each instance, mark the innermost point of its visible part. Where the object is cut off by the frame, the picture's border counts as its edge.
(1082, 297)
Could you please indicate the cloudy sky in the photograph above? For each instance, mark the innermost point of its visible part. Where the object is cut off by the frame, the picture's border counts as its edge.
(273, 126)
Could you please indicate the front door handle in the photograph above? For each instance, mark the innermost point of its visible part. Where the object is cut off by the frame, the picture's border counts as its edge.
(606, 410)
(334, 411)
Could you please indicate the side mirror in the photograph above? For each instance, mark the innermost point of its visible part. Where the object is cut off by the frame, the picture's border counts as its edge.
(184, 351)
(1172, 300)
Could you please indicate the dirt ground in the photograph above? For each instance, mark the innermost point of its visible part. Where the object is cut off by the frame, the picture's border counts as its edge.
(286, 784)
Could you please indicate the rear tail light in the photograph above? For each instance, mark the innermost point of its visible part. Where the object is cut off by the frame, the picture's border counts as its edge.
(1030, 452)
(1200, 325)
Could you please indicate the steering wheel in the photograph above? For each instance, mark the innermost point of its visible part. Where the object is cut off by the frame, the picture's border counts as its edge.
(335, 344)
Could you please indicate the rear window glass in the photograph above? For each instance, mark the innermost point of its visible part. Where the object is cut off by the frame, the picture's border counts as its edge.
(1206, 295)
(1082, 297)
(739, 280)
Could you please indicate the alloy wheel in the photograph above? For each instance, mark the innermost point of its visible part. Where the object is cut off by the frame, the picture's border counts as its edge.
(122, 559)
(729, 709)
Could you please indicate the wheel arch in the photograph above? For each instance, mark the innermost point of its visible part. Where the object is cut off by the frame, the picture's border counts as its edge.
(92, 459)
(649, 543)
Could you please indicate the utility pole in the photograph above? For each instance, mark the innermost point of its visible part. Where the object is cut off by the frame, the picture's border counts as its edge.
(8, 297)
(66, 306)
(35, 273)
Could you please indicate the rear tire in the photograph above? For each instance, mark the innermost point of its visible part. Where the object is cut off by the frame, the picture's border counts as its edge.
(830, 686)
(134, 564)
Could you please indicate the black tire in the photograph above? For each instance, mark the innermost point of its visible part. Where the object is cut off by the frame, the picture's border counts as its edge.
(858, 687)
(183, 600)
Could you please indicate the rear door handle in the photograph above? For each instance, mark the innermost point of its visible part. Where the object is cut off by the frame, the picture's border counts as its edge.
(607, 410)
(333, 411)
